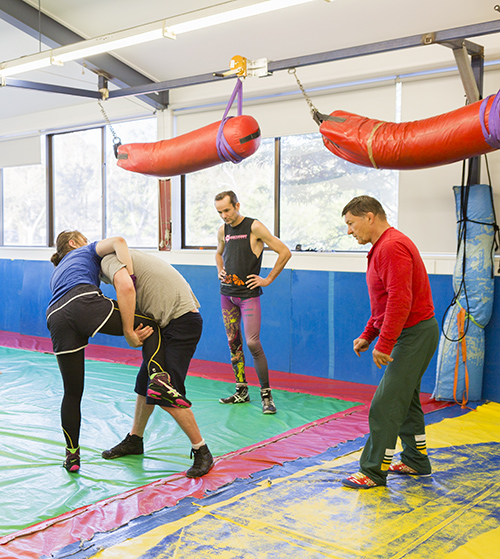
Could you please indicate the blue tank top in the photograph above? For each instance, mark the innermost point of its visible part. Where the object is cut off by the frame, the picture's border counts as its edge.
(239, 261)
(81, 265)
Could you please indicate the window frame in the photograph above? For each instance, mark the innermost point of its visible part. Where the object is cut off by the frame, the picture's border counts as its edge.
(277, 189)
(276, 202)
(104, 138)
(50, 173)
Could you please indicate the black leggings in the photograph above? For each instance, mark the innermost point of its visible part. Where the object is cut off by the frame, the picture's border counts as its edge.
(72, 367)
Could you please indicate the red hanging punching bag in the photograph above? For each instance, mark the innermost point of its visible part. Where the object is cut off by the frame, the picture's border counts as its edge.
(439, 140)
(230, 139)
(192, 151)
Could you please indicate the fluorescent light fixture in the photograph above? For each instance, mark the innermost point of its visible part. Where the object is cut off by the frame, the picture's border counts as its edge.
(233, 15)
(135, 36)
(114, 41)
(84, 49)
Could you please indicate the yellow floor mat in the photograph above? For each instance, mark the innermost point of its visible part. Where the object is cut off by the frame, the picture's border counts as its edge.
(309, 514)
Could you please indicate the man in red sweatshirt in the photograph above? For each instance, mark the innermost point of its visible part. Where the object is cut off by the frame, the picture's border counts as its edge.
(402, 316)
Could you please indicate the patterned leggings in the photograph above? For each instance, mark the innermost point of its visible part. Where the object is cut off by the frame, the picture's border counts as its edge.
(234, 309)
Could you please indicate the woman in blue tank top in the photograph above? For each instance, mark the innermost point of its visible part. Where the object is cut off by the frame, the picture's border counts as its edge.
(77, 311)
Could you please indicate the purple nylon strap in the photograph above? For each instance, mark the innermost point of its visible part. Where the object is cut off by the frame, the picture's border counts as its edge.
(493, 138)
(224, 150)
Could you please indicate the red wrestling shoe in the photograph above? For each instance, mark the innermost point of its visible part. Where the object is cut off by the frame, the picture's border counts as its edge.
(359, 481)
(401, 468)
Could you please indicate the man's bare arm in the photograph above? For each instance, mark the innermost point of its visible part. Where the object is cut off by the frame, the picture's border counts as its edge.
(221, 272)
(125, 295)
(262, 233)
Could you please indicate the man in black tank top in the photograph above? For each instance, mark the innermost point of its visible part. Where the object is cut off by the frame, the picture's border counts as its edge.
(240, 244)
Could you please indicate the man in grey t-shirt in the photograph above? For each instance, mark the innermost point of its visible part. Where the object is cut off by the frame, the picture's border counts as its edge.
(164, 295)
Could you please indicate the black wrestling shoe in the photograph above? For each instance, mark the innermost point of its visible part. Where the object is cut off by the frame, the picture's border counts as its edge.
(72, 462)
(241, 396)
(131, 444)
(268, 406)
(203, 462)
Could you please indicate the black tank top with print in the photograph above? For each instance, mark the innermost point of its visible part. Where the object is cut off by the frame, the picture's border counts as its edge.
(239, 261)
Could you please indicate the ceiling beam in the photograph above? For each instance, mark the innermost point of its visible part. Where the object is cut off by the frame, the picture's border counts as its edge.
(162, 88)
(457, 33)
(23, 84)
(38, 25)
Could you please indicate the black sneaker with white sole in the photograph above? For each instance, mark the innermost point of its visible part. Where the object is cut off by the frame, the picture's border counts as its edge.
(131, 444)
(203, 462)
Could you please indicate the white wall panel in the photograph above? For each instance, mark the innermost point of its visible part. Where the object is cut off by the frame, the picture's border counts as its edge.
(20, 151)
(280, 116)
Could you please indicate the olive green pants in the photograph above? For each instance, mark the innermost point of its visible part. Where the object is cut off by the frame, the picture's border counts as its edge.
(395, 409)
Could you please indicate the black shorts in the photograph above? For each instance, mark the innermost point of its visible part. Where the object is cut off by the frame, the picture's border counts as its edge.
(173, 352)
(77, 316)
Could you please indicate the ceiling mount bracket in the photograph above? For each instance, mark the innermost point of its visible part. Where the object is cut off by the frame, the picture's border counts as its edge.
(467, 75)
(237, 67)
(428, 38)
(241, 67)
(258, 68)
(467, 55)
(102, 85)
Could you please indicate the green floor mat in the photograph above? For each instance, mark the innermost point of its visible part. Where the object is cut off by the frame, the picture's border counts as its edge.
(34, 485)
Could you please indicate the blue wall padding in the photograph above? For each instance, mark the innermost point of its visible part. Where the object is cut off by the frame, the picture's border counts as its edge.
(11, 274)
(34, 297)
(310, 326)
(309, 319)
(476, 298)
(351, 311)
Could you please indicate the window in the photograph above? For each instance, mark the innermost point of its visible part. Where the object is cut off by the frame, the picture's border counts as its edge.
(77, 164)
(131, 198)
(316, 185)
(91, 193)
(94, 195)
(253, 182)
(24, 205)
(88, 191)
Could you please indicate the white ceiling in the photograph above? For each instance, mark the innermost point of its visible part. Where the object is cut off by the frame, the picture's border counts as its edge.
(311, 28)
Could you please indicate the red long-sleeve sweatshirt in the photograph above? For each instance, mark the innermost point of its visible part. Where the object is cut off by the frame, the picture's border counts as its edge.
(399, 289)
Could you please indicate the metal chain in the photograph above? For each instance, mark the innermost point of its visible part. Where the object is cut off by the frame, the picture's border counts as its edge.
(116, 140)
(312, 108)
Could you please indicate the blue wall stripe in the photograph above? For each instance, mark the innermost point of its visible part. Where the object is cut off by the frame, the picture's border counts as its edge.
(309, 320)
(331, 325)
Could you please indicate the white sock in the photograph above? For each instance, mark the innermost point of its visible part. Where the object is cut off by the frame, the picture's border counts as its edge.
(197, 446)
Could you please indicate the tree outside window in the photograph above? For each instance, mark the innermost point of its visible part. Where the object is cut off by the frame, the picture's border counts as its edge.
(253, 182)
(24, 205)
(78, 182)
(131, 198)
(316, 185)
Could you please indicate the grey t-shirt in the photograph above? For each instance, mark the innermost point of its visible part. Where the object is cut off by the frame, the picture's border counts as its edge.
(162, 292)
